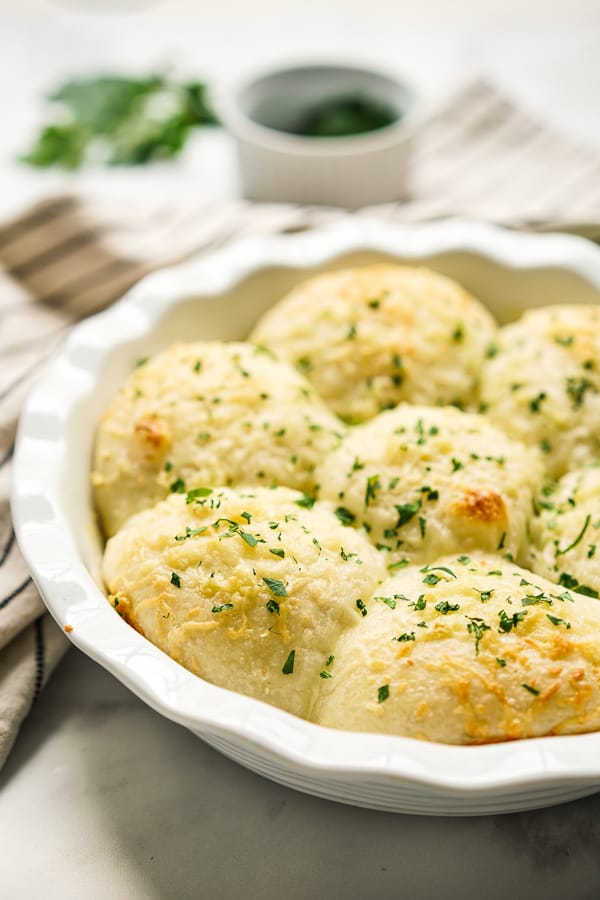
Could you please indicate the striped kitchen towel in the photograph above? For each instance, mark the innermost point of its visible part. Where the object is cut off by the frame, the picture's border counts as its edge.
(70, 256)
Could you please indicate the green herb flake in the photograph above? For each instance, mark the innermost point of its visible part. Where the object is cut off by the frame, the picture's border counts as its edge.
(389, 601)
(536, 402)
(277, 551)
(373, 485)
(361, 607)
(383, 692)
(306, 501)
(272, 606)
(577, 540)
(501, 662)
(222, 608)
(444, 607)
(507, 623)
(431, 578)
(531, 689)
(556, 621)
(197, 493)
(175, 579)
(325, 674)
(577, 388)
(456, 465)
(477, 627)
(403, 638)
(288, 666)
(190, 532)
(276, 587)
(178, 486)
(406, 512)
(399, 564)
(345, 516)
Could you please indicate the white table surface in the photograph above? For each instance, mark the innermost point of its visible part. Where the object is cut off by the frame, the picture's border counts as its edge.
(103, 798)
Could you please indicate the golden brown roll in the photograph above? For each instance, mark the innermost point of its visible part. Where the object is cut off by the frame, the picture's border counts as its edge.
(249, 589)
(468, 650)
(368, 338)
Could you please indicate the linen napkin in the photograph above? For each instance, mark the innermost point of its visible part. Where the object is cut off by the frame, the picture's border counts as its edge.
(70, 256)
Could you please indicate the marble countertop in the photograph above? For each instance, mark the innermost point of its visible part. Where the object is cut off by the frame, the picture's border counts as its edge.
(101, 796)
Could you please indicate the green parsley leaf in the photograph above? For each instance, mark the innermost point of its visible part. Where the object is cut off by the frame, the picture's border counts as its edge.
(507, 623)
(406, 511)
(272, 606)
(276, 587)
(175, 579)
(383, 693)
(222, 608)
(361, 606)
(444, 607)
(288, 666)
(344, 515)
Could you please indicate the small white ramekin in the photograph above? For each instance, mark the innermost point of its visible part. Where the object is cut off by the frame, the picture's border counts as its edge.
(350, 171)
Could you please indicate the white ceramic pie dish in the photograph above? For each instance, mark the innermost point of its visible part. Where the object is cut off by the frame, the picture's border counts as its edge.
(220, 296)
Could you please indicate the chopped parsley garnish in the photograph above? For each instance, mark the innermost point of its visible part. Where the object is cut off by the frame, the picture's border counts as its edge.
(325, 674)
(222, 608)
(507, 623)
(178, 486)
(373, 485)
(306, 501)
(361, 607)
(531, 689)
(477, 628)
(389, 601)
(456, 465)
(190, 532)
(444, 607)
(431, 578)
(191, 496)
(536, 402)
(556, 621)
(576, 389)
(568, 581)
(272, 606)
(501, 662)
(399, 564)
(406, 512)
(579, 537)
(345, 516)
(464, 560)
(402, 638)
(276, 587)
(175, 579)
(277, 551)
(288, 666)
(383, 693)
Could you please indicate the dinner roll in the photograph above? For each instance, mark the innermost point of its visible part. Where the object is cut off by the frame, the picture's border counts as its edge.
(249, 589)
(566, 535)
(207, 413)
(425, 481)
(465, 651)
(543, 384)
(368, 338)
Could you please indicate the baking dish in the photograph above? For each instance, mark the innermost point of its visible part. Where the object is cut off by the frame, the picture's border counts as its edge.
(220, 296)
